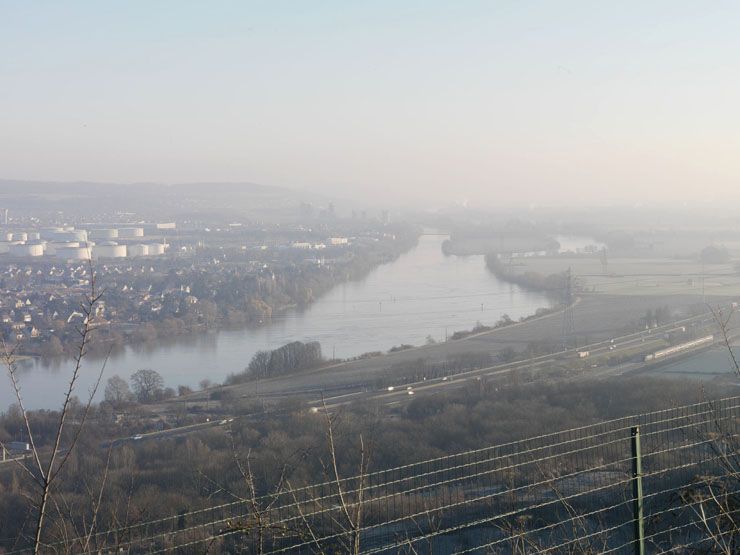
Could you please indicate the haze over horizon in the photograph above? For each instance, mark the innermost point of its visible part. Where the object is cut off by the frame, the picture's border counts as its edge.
(506, 103)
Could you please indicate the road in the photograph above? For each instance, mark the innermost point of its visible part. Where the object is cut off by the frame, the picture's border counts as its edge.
(402, 394)
(392, 396)
(597, 318)
(357, 380)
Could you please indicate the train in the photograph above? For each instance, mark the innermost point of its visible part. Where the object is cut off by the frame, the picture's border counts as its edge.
(663, 353)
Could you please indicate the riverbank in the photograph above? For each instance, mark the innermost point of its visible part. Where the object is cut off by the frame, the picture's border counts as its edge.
(421, 294)
(553, 285)
(238, 300)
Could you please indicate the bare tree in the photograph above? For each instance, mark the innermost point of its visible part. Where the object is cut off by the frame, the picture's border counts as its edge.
(147, 384)
(117, 391)
(714, 499)
(723, 319)
(352, 510)
(45, 466)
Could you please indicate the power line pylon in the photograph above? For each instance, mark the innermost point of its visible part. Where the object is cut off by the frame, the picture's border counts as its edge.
(569, 324)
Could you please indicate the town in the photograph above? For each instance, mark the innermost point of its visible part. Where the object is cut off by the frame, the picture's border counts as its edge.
(164, 279)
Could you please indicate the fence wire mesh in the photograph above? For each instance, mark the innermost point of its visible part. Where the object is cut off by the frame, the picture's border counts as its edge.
(566, 492)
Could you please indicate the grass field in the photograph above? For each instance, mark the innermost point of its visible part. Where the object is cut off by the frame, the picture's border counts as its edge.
(641, 276)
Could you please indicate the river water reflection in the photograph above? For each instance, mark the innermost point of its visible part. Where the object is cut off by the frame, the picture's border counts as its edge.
(423, 293)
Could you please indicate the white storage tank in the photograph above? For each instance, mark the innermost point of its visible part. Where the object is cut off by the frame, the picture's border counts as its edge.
(109, 249)
(156, 249)
(73, 253)
(51, 248)
(7, 236)
(104, 234)
(34, 236)
(48, 233)
(131, 232)
(20, 236)
(138, 250)
(70, 235)
(27, 249)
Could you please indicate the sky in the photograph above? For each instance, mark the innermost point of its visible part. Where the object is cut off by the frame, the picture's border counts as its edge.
(485, 102)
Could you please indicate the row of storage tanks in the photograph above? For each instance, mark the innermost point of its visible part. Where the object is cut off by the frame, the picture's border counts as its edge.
(74, 250)
(68, 243)
(68, 234)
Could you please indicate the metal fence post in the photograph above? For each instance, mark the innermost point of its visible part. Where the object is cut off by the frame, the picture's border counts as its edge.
(639, 542)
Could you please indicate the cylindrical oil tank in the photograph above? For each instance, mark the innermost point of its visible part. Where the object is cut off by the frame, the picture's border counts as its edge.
(109, 249)
(34, 236)
(72, 253)
(156, 249)
(130, 232)
(71, 235)
(104, 234)
(51, 248)
(138, 250)
(27, 249)
(20, 236)
(48, 233)
(7, 236)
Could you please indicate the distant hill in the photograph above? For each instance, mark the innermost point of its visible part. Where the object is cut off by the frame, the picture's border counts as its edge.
(153, 200)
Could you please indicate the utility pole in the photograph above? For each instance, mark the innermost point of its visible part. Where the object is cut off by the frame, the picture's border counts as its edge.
(569, 325)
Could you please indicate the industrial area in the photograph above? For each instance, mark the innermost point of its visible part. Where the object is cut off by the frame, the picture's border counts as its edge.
(83, 243)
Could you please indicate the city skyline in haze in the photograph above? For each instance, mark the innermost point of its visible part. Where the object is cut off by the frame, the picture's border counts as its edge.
(478, 102)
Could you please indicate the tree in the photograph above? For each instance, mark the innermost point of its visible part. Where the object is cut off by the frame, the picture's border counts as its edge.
(184, 390)
(117, 392)
(44, 470)
(259, 366)
(147, 385)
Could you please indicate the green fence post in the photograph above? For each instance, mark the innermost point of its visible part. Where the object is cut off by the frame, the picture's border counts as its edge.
(639, 542)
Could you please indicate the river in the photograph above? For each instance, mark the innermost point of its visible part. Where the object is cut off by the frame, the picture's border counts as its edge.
(423, 293)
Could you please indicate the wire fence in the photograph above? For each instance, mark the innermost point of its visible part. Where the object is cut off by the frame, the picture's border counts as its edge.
(654, 481)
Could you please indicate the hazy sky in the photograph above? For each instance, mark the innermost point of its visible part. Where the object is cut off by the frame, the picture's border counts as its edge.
(500, 101)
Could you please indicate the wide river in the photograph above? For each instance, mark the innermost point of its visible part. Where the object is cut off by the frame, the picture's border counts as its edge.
(422, 294)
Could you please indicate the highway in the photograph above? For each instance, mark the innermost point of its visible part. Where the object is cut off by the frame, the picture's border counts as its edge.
(396, 395)
(346, 393)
